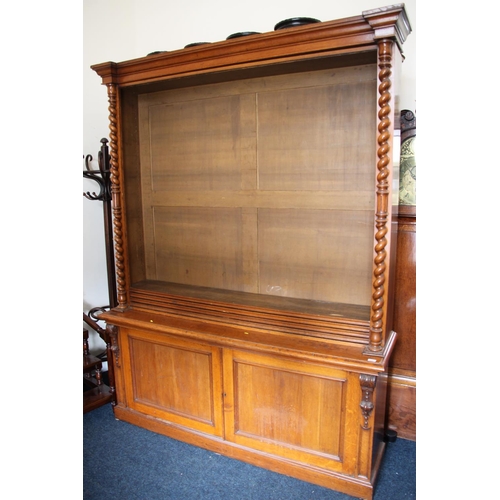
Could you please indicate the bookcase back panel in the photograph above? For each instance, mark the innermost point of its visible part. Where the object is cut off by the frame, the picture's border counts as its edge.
(212, 247)
(220, 157)
(316, 254)
(263, 185)
(316, 138)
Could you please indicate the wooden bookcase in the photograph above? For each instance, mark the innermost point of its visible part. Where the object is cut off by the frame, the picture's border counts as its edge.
(255, 211)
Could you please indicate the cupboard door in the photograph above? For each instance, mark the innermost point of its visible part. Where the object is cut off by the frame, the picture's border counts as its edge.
(174, 380)
(287, 408)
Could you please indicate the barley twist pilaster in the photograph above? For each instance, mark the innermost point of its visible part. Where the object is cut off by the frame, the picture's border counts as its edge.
(121, 281)
(381, 217)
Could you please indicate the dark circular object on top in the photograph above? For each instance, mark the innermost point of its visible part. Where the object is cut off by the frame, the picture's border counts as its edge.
(242, 33)
(295, 21)
(156, 52)
(194, 44)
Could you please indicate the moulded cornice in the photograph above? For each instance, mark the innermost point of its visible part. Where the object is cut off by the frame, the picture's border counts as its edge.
(326, 38)
(389, 22)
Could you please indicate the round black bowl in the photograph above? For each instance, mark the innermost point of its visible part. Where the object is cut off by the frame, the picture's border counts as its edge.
(156, 52)
(194, 44)
(295, 21)
(242, 33)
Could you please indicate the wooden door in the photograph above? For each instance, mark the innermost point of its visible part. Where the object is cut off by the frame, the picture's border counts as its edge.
(286, 408)
(173, 379)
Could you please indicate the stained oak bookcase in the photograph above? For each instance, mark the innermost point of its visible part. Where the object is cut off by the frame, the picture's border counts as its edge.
(255, 190)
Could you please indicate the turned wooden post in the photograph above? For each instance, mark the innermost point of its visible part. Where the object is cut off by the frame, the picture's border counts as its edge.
(120, 267)
(377, 339)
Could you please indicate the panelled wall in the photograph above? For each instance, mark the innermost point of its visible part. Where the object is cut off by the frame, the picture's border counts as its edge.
(402, 387)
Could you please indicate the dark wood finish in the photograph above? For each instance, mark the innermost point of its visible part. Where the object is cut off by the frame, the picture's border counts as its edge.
(91, 320)
(402, 405)
(255, 240)
(95, 393)
(402, 382)
(404, 357)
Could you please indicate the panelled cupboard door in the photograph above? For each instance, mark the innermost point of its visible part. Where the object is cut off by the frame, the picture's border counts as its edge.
(291, 409)
(173, 379)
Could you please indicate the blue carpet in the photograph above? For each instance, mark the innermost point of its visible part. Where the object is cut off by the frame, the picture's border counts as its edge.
(124, 462)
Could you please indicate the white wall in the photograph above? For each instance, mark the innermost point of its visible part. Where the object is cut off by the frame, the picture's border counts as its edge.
(118, 30)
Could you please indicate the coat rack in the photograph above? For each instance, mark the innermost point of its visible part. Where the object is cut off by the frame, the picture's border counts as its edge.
(103, 179)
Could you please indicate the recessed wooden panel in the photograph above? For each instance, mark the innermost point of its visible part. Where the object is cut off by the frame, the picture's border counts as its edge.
(281, 406)
(288, 408)
(404, 356)
(317, 138)
(316, 254)
(176, 382)
(211, 247)
(206, 144)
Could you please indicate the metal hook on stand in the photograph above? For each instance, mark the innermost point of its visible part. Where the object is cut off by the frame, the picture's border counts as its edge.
(103, 179)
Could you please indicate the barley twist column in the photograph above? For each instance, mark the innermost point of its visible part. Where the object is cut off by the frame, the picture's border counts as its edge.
(121, 279)
(381, 217)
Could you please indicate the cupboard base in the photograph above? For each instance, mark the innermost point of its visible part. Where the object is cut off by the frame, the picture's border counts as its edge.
(221, 387)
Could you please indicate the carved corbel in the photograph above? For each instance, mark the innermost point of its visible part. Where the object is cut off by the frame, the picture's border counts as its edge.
(112, 332)
(367, 383)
